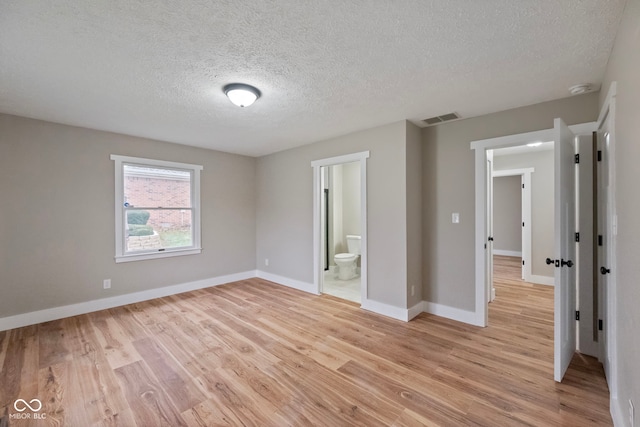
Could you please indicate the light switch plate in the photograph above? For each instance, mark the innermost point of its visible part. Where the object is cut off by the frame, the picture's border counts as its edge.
(455, 218)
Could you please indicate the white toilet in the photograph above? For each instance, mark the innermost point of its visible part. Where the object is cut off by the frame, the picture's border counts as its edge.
(347, 263)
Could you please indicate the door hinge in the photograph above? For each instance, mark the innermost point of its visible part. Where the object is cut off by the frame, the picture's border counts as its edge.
(600, 240)
(523, 224)
(522, 262)
(577, 314)
(522, 185)
(577, 158)
(577, 237)
(599, 324)
(599, 155)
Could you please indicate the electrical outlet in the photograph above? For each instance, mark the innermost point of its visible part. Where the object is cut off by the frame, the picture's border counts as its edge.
(631, 413)
(455, 218)
(107, 283)
(266, 261)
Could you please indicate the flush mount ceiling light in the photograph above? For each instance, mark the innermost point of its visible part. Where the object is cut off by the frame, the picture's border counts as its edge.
(579, 89)
(241, 95)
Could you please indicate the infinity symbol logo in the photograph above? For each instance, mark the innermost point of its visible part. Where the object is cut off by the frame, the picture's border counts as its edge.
(27, 405)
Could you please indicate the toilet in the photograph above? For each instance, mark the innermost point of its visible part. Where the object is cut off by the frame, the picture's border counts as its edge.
(347, 263)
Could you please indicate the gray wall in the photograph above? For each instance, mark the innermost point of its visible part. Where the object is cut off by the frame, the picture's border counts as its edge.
(414, 214)
(448, 186)
(57, 224)
(350, 201)
(623, 67)
(285, 209)
(542, 219)
(507, 213)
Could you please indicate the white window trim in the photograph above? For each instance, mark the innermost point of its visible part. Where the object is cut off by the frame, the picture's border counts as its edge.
(119, 202)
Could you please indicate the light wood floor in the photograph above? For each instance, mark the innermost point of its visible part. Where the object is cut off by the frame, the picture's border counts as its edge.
(256, 353)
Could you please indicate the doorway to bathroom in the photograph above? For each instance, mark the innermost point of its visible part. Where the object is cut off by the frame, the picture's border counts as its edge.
(340, 226)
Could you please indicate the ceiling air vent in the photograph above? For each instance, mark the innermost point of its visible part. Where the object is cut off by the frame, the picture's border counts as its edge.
(440, 119)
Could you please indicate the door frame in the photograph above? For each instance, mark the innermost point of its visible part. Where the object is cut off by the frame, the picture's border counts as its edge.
(481, 314)
(318, 194)
(527, 217)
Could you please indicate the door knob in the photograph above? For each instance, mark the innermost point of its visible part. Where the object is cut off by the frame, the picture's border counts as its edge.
(604, 270)
(490, 239)
(568, 263)
(550, 261)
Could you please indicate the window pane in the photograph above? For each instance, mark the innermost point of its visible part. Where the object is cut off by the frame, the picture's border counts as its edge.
(158, 229)
(146, 186)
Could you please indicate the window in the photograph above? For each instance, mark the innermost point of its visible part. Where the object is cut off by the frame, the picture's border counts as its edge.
(157, 208)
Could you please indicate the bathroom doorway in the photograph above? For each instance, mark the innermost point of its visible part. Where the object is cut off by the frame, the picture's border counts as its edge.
(342, 230)
(340, 226)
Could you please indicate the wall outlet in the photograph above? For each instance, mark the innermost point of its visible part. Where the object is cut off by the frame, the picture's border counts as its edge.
(455, 218)
(413, 290)
(631, 413)
(107, 283)
(266, 261)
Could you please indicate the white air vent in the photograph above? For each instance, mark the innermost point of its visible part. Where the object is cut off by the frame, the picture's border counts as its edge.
(440, 119)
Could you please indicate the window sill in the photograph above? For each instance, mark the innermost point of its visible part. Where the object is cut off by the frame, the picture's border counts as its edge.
(155, 255)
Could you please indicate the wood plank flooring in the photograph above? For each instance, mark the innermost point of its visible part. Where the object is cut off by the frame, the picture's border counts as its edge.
(259, 354)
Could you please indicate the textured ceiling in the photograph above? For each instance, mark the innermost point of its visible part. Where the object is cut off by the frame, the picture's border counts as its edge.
(325, 68)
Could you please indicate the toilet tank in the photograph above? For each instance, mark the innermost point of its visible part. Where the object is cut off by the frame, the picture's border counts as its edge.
(353, 244)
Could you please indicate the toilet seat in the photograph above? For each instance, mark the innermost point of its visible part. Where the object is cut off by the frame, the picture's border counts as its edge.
(345, 256)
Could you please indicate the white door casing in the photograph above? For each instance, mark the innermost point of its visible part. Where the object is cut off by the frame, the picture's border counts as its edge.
(480, 317)
(317, 217)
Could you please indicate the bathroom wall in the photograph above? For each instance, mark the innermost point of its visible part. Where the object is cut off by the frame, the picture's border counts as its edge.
(344, 206)
(350, 200)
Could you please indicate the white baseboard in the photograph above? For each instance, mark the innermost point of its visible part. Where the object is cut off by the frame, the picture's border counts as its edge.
(46, 315)
(415, 310)
(386, 310)
(617, 415)
(291, 283)
(507, 253)
(452, 313)
(542, 280)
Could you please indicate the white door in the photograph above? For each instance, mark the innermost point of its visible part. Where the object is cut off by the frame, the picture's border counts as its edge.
(491, 293)
(587, 335)
(565, 278)
(604, 243)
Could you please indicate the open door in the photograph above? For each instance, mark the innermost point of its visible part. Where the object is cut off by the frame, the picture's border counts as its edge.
(565, 277)
(605, 233)
(491, 293)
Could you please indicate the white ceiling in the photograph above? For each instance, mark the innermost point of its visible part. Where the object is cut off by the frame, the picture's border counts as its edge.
(325, 68)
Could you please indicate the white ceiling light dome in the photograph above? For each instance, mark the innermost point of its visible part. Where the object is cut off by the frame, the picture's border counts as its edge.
(242, 95)
(580, 89)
